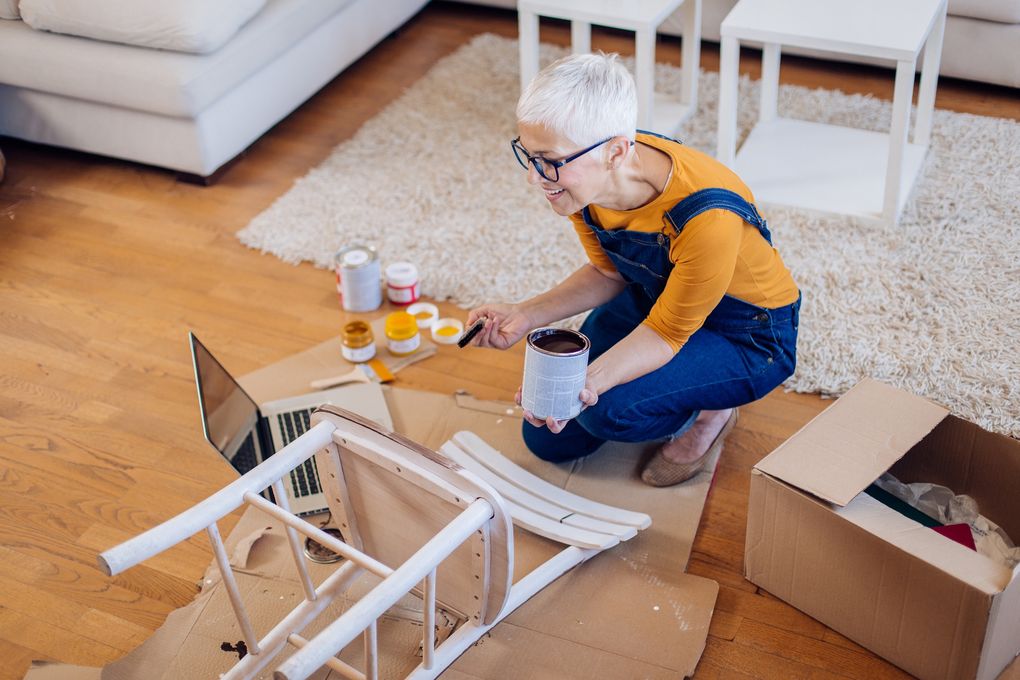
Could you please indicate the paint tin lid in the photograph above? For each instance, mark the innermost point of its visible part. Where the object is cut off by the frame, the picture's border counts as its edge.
(353, 257)
(447, 331)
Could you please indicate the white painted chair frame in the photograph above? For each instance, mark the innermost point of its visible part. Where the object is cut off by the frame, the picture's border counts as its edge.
(480, 519)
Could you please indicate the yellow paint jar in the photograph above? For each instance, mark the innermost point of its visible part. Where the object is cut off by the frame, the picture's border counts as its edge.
(357, 343)
(402, 335)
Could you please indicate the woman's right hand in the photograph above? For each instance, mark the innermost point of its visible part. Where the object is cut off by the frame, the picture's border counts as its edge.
(504, 325)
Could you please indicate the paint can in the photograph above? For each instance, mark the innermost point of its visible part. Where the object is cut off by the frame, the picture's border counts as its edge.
(358, 278)
(555, 369)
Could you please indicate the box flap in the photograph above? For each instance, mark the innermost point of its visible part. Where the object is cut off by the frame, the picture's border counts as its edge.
(847, 446)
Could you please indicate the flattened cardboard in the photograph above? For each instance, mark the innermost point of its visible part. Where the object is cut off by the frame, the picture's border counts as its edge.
(655, 613)
(629, 612)
(292, 375)
(924, 602)
(843, 449)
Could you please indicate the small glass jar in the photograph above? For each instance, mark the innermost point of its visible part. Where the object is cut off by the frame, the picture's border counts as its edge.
(402, 336)
(357, 343)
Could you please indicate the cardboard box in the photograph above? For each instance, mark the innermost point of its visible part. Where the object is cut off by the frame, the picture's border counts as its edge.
(927, 604)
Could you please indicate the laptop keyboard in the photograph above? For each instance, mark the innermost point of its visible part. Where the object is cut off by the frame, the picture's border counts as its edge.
(304, 480)
(245, 459)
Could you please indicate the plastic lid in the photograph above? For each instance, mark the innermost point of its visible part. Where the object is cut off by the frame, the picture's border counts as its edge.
(447, 331)
(401, 274)
(425, 313)
(355, 258)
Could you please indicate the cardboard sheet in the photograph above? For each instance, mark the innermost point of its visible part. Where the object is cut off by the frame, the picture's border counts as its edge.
(628, 612)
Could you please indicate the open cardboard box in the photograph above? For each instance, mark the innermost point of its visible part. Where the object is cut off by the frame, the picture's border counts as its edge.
(630, 612)
(924, 602)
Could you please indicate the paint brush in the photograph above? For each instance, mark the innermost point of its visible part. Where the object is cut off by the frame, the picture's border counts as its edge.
(471, 333)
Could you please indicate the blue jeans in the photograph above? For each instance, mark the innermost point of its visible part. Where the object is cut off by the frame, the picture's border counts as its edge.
(741, 354)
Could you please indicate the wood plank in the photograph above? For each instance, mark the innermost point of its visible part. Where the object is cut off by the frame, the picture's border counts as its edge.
(819, 654)
(16, 659)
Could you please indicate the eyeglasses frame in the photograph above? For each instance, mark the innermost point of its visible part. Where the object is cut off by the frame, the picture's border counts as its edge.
(515, 144)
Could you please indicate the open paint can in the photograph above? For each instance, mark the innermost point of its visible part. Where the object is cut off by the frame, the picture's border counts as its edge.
(555, 368)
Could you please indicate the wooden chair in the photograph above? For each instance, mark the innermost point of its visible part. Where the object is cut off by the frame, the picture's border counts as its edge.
(403, 510)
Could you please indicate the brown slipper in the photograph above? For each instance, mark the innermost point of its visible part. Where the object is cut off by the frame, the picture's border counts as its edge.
(660, 471)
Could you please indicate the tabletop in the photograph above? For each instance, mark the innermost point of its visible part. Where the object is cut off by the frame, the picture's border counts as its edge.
(632, 15)
(888, 29)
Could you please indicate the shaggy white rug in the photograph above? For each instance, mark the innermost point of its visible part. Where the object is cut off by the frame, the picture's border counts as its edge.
(932, 306)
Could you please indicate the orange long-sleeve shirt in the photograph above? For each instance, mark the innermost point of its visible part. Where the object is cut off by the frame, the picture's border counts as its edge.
(717, 253)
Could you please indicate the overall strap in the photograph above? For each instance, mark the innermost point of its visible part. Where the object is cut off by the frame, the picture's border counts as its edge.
(656, 134)
(710, 199)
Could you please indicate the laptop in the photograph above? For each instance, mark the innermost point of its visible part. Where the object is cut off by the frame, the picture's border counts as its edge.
(246, 433)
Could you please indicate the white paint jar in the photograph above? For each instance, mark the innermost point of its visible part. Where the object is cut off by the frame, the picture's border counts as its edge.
(402, 283)
(555, 370)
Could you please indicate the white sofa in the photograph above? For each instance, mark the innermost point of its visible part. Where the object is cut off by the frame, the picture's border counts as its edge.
(982, 38)
(190, 112)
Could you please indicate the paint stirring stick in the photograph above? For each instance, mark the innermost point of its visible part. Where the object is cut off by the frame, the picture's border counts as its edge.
(471, 333)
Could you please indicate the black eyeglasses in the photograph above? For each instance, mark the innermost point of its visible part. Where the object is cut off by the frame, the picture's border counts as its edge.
(547, 168)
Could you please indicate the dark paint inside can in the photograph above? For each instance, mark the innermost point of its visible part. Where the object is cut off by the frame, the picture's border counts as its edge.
(558, 341)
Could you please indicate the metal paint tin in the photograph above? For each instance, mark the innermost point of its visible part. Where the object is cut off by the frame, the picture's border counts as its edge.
(358, 278)
(555, 369)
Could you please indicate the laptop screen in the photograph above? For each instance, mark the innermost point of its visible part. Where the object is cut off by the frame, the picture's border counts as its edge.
(229, 415)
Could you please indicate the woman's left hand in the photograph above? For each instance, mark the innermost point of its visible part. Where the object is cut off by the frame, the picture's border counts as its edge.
(587, 396)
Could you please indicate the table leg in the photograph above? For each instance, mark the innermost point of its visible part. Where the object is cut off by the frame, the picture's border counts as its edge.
(929, 79)
(691, 53)
(769, 82)
(903, 94)
(644, 75)
(527, 30)
(580, 37)
(728, 78)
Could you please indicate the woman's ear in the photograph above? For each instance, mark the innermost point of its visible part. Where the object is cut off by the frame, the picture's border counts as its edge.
(616, 151)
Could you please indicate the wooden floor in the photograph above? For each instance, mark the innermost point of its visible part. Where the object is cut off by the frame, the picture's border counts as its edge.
(105, 266)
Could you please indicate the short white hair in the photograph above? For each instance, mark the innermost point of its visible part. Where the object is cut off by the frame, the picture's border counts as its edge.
(584, 97)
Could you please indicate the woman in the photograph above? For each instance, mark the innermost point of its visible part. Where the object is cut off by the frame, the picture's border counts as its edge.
(694, 312)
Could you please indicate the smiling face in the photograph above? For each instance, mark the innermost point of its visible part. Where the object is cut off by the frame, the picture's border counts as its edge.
(581, 181)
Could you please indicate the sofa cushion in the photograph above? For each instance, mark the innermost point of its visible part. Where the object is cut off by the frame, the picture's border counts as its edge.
(1003, 11)
(157, 81)
(9, 9)
(199, 26)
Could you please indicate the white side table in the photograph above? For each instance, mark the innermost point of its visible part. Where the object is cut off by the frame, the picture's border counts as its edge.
(655, 112)
(831, 168)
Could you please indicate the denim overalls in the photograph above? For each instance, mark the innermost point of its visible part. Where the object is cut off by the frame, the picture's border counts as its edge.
(740, 354)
